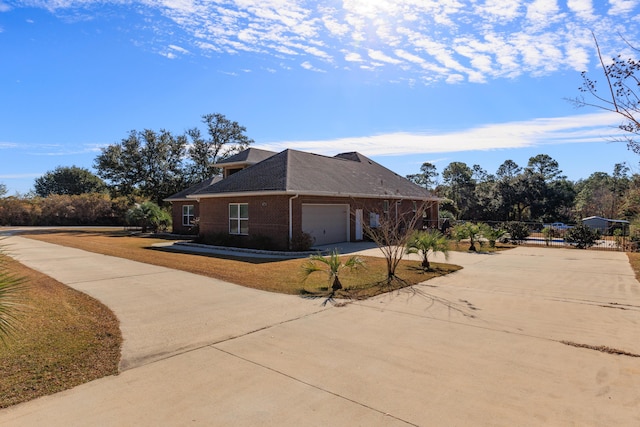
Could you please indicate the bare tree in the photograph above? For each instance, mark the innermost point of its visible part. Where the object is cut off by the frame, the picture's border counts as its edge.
(392, 234)
(620, 93)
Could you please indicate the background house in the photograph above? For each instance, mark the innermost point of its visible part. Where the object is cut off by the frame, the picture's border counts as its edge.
(606, 226)
(294, 192)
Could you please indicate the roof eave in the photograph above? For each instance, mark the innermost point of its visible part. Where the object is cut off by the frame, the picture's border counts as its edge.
(312, 193)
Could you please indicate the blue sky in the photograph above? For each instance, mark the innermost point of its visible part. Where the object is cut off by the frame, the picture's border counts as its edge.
(403, 82)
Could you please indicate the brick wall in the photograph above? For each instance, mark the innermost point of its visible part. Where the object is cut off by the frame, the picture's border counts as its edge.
(269, 215)
(176, 216)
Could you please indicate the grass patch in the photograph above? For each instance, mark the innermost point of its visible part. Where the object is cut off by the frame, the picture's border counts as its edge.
(371, 281)
(634, 260)
(64, 338)
(274, 275)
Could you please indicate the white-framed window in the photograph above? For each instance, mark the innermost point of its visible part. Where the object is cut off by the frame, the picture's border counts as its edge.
(415, 206)
(188, 215)
(385, 206)
(238, 218)
(374, 220)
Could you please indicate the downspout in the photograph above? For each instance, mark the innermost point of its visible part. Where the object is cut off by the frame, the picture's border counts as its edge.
(291, 216)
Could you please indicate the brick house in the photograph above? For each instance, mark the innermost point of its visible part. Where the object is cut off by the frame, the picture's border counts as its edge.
(279, 196)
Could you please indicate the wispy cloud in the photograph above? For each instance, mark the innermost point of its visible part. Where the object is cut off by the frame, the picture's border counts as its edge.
(452, 40)
(51, 149)
(20, 175)
(538, 132)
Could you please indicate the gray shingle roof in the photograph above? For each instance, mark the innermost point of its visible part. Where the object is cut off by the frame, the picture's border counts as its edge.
(292, 171)
(249, 156)
(182, 195)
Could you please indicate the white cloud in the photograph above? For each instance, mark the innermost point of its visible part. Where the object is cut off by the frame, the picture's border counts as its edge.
(501, 10)
(21, 175)
(444, 40)
(382, 57)
(595, 127)
(407, 56)
(178, 49)
(352, 57)
(542, 13)
(308, 66)
(622, 7)
(582, 8)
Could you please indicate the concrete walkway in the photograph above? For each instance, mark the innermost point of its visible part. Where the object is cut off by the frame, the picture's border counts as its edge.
(482, 346)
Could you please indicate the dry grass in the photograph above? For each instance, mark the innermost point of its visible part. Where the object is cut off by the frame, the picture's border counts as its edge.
(274, 275)
(634, 260)
(65, 338)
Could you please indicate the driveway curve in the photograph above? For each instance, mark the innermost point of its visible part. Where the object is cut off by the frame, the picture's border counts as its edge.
(530, 336)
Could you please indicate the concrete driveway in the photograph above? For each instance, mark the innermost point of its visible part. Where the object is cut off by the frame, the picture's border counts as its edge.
(512, 339)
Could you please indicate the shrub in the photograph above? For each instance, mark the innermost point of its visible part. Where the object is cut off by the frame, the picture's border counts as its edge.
(255, 241)
(518, 231)
(492, 234)
(148, 215)
(301, 242)
(582, 237)
(260, 242)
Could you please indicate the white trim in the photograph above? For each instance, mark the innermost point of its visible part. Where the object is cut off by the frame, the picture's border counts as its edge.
(291, 216)
(239, 218)
(358, 224)
(193, 215)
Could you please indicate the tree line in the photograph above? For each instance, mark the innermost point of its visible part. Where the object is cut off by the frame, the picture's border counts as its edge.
(144, 166)
(538, 192)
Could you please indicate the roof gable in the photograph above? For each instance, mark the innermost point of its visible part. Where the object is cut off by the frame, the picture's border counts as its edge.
(249, 156)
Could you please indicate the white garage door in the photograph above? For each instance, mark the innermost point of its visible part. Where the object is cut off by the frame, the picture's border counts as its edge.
(326, 223)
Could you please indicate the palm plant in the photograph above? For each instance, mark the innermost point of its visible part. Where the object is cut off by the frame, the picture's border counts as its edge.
(470, 231)
(11, 288)
(492, 234)
(332, 266)
(428, 242)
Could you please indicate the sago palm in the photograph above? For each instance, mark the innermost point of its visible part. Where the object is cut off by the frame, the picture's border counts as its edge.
(428, 242)
(332, 266)
(470, 231)
(11, 294)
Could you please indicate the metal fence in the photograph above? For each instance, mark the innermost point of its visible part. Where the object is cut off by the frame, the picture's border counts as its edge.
(549, 235)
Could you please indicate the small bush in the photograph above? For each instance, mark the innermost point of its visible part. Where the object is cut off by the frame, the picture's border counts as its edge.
(195, 230)
(582, 237)
(255, 241)
(301, 242)
(491, 234)
(149, 216)
(518, 231)
(218, 239)
(260, 242)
